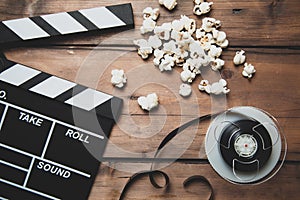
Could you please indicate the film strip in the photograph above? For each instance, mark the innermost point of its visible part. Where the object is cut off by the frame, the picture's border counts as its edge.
(152, 173)
(52, 134)
(17, 31)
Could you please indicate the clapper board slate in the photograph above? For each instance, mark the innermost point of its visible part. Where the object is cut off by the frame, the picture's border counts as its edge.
(45, 28)
(53, 132)
(50, 145)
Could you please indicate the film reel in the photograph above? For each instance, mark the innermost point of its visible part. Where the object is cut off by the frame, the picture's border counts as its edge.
(245, 145)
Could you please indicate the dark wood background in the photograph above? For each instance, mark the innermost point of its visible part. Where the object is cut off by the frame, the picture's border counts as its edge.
(268, 30)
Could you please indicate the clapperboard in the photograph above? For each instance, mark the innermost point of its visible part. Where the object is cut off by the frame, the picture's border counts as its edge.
(53, 132)
(45, 28)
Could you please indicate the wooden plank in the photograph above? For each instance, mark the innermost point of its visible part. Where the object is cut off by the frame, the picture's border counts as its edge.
(276, 80)
(247, 23)
(109, 184)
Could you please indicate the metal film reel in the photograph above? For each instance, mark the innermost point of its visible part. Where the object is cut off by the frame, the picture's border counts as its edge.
(244, 145)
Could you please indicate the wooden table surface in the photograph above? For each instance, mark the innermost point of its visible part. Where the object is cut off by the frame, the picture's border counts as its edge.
(268, 30)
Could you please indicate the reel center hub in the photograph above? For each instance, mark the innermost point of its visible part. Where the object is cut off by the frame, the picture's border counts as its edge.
(245, 145)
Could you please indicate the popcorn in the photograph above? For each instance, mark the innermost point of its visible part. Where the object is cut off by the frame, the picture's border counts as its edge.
(248, 71)
(150, 13)
(204, 86)
(202, 8)
(184, 38)
(167, 62)
(163, 31)
(118, 78)
(180, 53)
(158, 55)
(217, 64)
(219, 87)
(188, 24)
(144, 49)
(148, 26)
(239, 57)
(154, 41)
(205, 39)
(209, 24)
(220, 38)
(198, 1)
(173, 44)
(170, 46)
(200, 33)
(196, 50)
(149, 102)
(215, 51)
(185, 90)
(216, 88)
(177, 25)
(192, 65)
(187, 76)
(169, 4)
(211, 39)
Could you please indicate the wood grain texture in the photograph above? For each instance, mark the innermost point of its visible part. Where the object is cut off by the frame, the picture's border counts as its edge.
(268, 30)
(277, 74)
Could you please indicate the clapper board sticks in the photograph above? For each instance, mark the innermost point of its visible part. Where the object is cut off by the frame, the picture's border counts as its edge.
(34, 30)
(53, 132)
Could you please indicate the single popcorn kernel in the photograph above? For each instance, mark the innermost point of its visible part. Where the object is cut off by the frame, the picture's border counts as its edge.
(118, 78)
(148, 102)
(169, 4)
(151, 13)
(239, 57)
(202, 8)
(185, 90)
(248, 71)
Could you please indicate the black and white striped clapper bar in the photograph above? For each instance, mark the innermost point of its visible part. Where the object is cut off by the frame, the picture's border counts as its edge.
(25, 30)
(52, 134)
